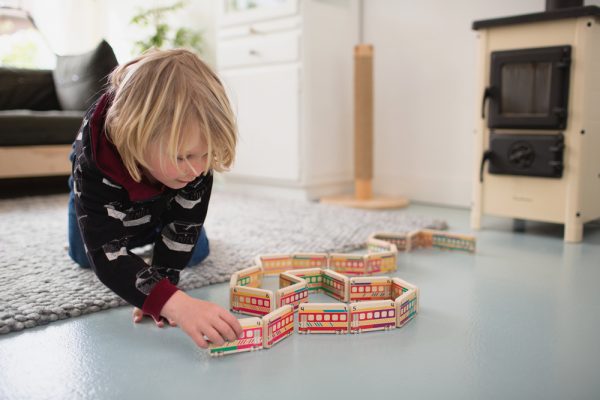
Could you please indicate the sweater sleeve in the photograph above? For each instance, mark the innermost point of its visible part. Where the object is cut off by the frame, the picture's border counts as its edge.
(108, 226)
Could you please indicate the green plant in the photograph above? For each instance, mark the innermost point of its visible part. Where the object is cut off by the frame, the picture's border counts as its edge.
(162, 35)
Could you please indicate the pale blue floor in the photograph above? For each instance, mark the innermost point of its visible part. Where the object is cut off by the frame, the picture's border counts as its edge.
(518, 320)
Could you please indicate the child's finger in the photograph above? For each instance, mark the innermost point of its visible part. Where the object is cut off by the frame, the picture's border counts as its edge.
(232, 322)
(137, 315)
(214, 336)
(225, 330)
(198, 338)
(172, 323)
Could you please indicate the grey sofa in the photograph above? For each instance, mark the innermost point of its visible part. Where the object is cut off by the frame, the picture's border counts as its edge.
(41, 111)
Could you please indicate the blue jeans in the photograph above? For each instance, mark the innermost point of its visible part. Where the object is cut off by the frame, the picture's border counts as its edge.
(77, 251)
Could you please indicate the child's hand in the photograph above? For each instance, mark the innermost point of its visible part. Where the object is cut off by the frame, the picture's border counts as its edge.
(200, 319)
(138, 315)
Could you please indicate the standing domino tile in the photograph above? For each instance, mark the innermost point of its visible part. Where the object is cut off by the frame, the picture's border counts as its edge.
(323, 318)
(374, 315)
(310, 260)
(370, 288)
(274, 264)
(336, 285)
(252, 339)
(277, 326)
(294, 291)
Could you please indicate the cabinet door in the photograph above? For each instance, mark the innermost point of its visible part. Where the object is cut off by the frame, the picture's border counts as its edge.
(266, 101)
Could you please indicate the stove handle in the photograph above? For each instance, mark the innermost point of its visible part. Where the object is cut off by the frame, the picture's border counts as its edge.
(487, 93)
(486, 156)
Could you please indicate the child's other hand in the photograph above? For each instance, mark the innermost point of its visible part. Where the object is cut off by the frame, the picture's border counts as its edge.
(138, 315)
(200, 319)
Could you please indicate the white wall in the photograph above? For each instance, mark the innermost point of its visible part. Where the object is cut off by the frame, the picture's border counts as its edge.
(425, 100)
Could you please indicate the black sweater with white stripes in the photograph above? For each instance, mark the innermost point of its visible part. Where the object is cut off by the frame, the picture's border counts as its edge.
(115, 213)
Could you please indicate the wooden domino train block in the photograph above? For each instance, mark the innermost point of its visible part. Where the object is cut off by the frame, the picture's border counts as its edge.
(373, 315)
(294, 291)
(252, 301)
(252, 339)
(323, 318)
(336, 285)
(274, 264)
(278, 325)
(312, 276)
(310, 260)
(348, 264)
(370, 288)
(406, 307)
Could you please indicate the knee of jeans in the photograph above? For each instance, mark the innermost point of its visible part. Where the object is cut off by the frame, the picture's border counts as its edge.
(201, 252)
(80, 260)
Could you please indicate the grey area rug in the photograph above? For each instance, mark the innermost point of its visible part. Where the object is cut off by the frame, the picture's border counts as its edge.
(39, 283)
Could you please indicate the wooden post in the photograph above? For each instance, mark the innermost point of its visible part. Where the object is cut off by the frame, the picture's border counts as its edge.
(363, 121)
(363, 139)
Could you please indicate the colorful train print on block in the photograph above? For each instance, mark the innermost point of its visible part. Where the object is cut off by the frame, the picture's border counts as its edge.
(373, 315)
(274, 264)
(370, 288)
(278, 325)
(293, 290)
(252, 339)
(259, 333)
(323, 318)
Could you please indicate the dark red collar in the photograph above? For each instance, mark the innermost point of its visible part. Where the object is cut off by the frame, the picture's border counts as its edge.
(109, 161)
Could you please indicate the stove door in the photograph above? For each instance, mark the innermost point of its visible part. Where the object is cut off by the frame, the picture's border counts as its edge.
(526, 155)
(529, 88)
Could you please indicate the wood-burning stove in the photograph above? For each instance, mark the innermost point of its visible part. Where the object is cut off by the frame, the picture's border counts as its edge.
(538, 129)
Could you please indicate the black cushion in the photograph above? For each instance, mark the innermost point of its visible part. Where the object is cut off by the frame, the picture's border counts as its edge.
(79, 79)
(27, 89)
(26, 127)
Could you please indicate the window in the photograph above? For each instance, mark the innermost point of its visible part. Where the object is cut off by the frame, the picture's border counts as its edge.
(334, 317)
(370, 315)
(267, 303)
(327, 317)
(319, 317)
(253, 301)
(381, 288)
(361, 289)
(260, 302)
(368, 289)
(249, 334)
(384, 314)
(343, 317)
(354, 289)
(376, 315)
(311, 317)
(391, 313)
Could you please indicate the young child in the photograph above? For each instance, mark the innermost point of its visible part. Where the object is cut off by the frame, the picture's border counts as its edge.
(142, 173)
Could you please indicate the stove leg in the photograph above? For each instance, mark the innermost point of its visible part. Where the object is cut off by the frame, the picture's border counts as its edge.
(519, 225)
(573, 231)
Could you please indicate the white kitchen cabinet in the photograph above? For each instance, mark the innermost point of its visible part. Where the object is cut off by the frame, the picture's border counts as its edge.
(288, 69)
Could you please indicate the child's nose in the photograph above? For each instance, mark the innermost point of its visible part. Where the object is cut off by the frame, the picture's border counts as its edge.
(195, 169)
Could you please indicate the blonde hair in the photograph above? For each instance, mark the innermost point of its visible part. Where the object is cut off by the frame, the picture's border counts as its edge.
(156, 96)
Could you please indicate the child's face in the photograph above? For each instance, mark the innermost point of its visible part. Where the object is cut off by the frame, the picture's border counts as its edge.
(191, 161)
